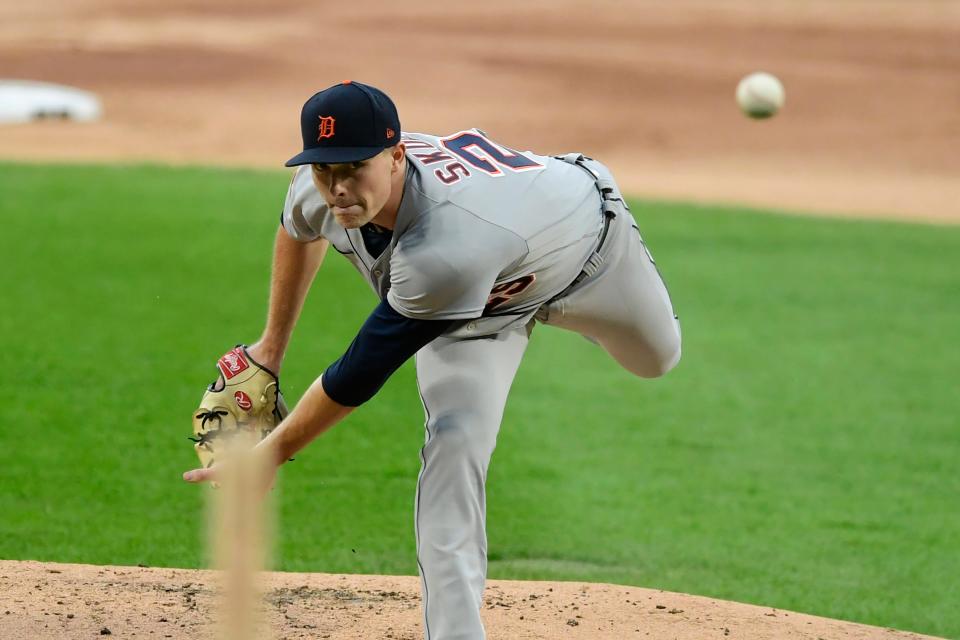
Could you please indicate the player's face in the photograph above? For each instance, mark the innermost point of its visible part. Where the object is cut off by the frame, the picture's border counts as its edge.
(356, 191)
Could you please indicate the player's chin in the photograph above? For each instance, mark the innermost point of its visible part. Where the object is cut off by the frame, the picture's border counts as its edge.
(350, 217)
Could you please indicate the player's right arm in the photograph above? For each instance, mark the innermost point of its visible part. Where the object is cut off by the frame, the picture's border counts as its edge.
(295, 265)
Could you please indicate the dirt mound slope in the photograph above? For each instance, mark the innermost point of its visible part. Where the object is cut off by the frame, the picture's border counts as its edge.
(871, 126)
(49, 600)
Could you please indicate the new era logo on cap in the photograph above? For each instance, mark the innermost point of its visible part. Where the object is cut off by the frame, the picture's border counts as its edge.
(347, 122)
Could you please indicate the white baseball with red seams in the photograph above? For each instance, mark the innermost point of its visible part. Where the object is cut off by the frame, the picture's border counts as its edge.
(760, 95)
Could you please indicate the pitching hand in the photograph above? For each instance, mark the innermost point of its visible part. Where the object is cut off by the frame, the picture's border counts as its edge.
(221, 472)
(201, 475)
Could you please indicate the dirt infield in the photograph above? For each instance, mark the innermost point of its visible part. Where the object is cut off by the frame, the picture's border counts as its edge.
(871, 126)
(40, 601)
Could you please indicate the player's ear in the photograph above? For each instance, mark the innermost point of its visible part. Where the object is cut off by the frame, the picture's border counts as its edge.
(397, 152)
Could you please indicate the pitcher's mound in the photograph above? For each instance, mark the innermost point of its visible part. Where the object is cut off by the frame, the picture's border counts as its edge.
(45, 600)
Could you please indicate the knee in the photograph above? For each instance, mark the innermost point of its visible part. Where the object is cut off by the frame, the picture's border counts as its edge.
(667, 361)
(449, 432)
(461, 435)
(657, 360)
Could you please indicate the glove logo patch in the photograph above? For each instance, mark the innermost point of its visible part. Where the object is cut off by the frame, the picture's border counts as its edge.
(232, 363)
(243, 400)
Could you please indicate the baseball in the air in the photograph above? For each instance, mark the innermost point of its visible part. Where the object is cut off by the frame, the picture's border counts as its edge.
(760, 95)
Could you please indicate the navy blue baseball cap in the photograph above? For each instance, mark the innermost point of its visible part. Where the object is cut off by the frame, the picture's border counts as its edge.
(347, 122)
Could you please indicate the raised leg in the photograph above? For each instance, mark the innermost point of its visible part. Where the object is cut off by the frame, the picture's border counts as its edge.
(624, 306)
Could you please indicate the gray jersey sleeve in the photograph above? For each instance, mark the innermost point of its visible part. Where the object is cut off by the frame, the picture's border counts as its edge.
(444, 267)
(304, 208)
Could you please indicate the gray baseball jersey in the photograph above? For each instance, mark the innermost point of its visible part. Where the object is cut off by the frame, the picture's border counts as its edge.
(490, 237)
(484, 234)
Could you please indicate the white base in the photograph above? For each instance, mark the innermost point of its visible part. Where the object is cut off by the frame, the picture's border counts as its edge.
(25, 101)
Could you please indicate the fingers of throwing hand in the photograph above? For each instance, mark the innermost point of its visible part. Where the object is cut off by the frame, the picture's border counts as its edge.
(198, 475)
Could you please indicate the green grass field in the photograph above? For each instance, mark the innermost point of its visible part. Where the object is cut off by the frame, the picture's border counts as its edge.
(804, 455)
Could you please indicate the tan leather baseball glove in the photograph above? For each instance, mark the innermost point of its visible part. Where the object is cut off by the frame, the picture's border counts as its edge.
(246, 396)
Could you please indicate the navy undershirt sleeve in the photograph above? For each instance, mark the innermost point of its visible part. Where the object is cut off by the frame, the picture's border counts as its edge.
(385, 341)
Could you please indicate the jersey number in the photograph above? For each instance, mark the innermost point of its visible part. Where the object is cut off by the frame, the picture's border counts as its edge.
(465, 150)
(487, 156)
(502, 293)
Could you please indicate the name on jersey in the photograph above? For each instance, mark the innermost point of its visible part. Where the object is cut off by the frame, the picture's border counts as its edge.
(460, 155)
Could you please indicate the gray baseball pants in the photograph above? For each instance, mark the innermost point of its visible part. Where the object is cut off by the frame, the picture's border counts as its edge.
(623, 306)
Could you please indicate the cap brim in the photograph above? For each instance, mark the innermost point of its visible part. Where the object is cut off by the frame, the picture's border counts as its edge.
(333, 155)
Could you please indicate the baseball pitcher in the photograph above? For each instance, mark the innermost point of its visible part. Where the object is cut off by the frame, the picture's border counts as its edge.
(468, 245)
